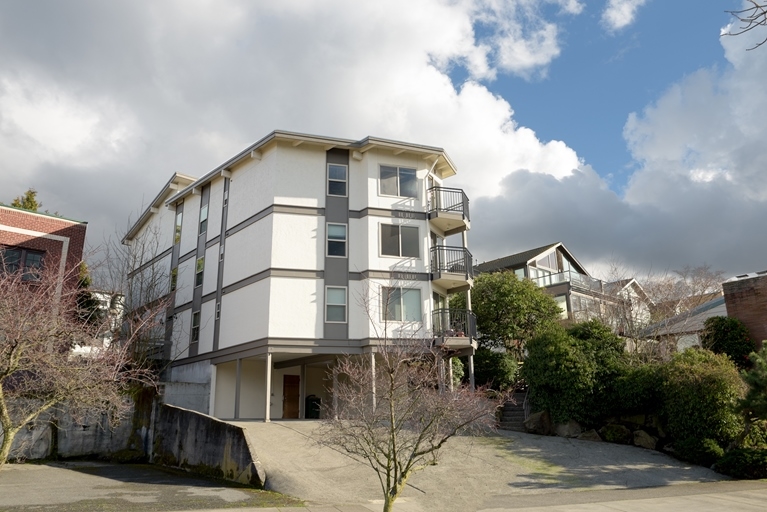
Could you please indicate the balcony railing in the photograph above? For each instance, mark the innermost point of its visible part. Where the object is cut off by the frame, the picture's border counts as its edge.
(451, 200)
(575, 279)
(456, 260)
(454, 323)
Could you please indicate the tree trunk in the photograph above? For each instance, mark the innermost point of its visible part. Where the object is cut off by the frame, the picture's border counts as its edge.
(5, 448)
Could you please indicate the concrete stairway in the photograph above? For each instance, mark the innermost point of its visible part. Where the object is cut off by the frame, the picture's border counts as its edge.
(513, 415)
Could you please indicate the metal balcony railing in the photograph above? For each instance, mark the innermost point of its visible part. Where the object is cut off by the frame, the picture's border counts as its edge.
(457, 260)
(453, 200)
(456, 323)
(575, 279)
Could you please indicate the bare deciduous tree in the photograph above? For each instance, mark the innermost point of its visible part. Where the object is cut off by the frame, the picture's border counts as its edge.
(396, 412)
(40, 369)
(750, 18)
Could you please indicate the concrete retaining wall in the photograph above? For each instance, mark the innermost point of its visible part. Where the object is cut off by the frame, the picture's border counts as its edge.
(96, 437)
(205, 445)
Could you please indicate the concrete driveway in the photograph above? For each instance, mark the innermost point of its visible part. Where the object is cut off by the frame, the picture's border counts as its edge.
(473, 473)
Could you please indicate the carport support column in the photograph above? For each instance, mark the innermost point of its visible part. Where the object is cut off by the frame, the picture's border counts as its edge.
(237, 390)
(471, 357)
(471, 372)
(302, 393)
(268, 406)
(373, 372)
(450, 373)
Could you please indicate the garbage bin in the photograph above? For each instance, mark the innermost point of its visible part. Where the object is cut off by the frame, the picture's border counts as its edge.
(313, 404)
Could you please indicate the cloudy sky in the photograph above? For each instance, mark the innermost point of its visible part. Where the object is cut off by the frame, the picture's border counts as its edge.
(627, 129)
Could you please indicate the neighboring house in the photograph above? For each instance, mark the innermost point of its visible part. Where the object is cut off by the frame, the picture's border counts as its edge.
(623, 304)
(29, 240)
(683, 330)
(746, 299)
(295, 251)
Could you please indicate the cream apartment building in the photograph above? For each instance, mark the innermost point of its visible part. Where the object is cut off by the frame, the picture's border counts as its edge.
(295, 251)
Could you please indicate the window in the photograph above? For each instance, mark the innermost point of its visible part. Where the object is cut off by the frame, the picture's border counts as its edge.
(177, 233)
(398, 181)
(13, 259)
(173, 279)
(337, 240)
(203, 219)
(198, 271)
(337, 179)
(335, 304)
(399, 241)
(195, 326)
(402, 304)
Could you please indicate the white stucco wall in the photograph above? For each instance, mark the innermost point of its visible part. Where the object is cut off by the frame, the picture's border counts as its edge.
(300, 175)
(298, 242)
(207, 323)
(190, 225)
(226, 383)
(251, 188)
(248, 251)
(244, 314)
(215, 205)
(252, 391)
(185, 282)
(296, 307)
(210, 277)
(181, 328)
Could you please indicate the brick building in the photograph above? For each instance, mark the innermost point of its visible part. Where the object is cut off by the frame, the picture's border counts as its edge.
(746, 300)
(30, 239)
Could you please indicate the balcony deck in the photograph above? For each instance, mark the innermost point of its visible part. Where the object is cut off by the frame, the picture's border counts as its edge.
(452, 268)
(449, 210)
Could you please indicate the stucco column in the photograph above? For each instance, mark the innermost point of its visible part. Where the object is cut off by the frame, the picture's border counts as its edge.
(471, 372)
(302, 393)
(450, 373)
(212, 398)
(268, 406)
(373, 372)
(237, 390)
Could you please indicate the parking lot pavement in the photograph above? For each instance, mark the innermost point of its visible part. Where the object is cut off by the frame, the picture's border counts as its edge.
(96, 486)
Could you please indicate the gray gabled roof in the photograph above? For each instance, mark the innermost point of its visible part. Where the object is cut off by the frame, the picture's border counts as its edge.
(689, 321)
(521, 259)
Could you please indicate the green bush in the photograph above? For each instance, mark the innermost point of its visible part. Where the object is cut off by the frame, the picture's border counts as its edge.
(701, 451)
(458, 371)
(497, 370)
(560, 375)
(747, 463)
(700, 391)
(599, 344)
(638, 390)
(727, 335)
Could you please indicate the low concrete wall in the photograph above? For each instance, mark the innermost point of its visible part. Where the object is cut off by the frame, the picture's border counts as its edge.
(68, 438)
(204, 445)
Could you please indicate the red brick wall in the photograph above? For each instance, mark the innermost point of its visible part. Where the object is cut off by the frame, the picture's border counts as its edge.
(746, 300)
(73, 230)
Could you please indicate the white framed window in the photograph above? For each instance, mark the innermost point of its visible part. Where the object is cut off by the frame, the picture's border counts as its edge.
(198, 271)
(338, 175)
(203, 219)
(397, 181)
(195, 326)
(401, 304)
(401, 241)
(336, 234)
(335, 304)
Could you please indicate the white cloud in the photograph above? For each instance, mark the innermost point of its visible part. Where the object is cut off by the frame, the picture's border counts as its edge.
(154, 88)
(619, 14)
